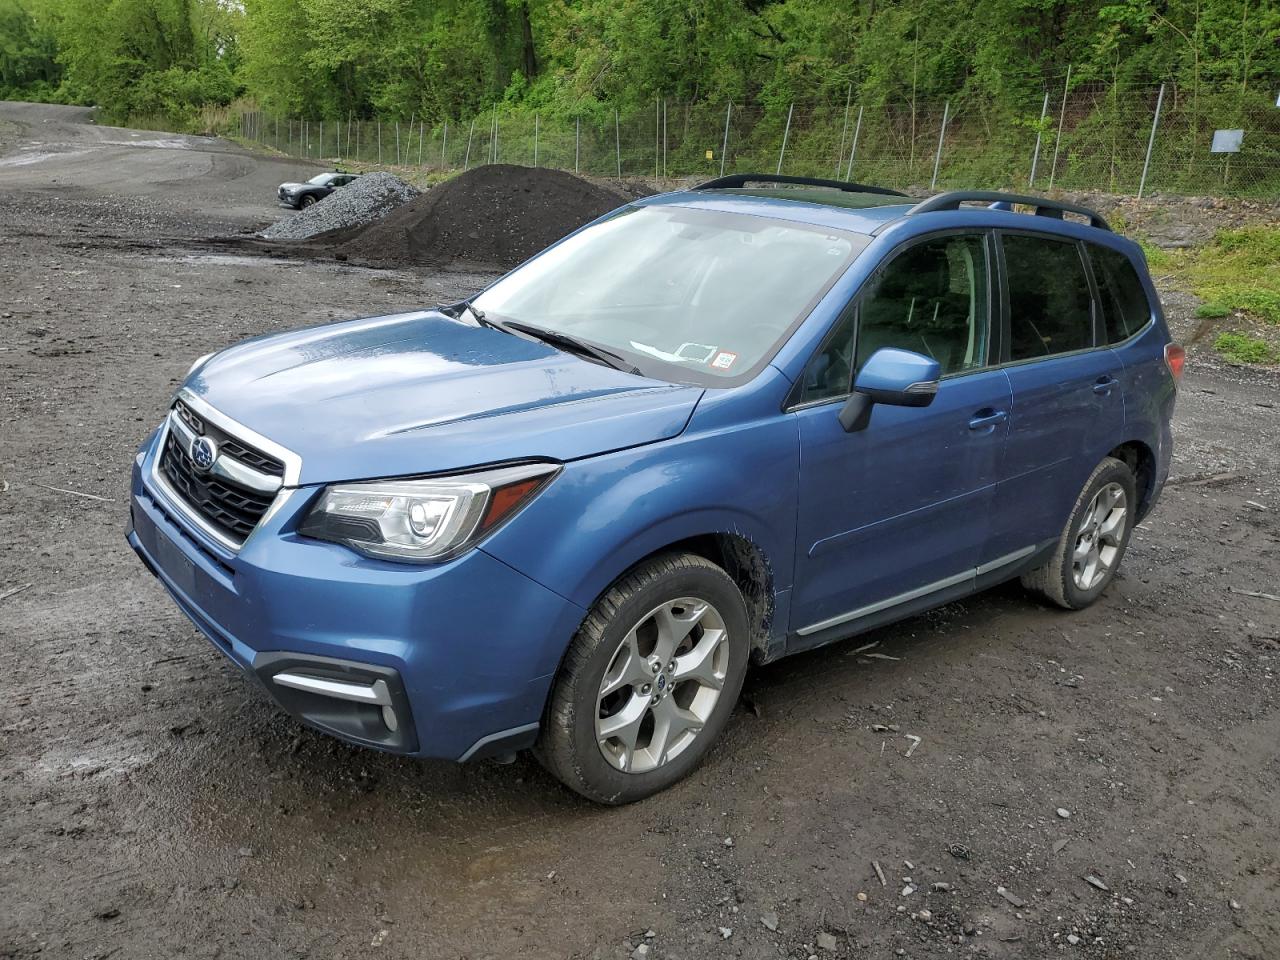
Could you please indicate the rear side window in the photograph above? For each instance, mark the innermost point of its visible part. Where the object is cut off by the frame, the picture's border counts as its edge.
(1124, 302)
(1050, 307)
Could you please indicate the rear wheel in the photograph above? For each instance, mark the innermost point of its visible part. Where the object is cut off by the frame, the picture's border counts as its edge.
(649, 681)
(1094, 540)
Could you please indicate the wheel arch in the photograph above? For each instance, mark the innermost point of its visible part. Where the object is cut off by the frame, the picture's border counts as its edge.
(1141, 459)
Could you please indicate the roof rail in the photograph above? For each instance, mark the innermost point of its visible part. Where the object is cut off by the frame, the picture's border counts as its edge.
(1044, 207)
(738, 180)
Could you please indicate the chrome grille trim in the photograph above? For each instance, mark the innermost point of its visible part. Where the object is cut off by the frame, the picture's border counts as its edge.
(282, 489)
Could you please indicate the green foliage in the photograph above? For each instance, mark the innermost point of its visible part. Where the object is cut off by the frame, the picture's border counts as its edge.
(1212, 311)
(1240, 270)
(1244, 349)
(437, 59)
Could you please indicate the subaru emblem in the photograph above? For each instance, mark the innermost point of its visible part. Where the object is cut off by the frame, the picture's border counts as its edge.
(203, 453)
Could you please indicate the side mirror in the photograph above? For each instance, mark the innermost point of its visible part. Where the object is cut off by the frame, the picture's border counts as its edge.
(891, 376)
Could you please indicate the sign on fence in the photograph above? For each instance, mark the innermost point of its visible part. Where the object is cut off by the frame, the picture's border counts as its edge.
(1226, 141)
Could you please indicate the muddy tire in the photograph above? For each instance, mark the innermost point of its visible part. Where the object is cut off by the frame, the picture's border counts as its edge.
(306, 201)
(1093, 542)
(649, 680)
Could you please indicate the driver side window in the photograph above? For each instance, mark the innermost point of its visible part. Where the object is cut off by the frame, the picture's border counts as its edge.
(932, 298)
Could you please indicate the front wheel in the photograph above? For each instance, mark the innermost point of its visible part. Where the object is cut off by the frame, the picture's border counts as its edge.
(1094, 540)
(649, 681)
(306, 201)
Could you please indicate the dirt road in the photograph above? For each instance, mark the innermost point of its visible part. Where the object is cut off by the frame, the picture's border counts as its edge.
(155, 805)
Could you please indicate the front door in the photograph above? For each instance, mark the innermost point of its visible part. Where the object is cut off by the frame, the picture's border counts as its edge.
(900, 510)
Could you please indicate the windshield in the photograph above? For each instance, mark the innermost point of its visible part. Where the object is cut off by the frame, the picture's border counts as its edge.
(692, 295)
(321, 179)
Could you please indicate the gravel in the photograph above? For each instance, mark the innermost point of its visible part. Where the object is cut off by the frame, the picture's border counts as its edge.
(370, 197)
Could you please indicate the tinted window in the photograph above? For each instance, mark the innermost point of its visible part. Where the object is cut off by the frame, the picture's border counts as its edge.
(1049, 302)
(932, 299)
(1124, 302)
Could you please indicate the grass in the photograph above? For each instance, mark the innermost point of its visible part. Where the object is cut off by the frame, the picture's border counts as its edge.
(1239, 270)
(1242, 348)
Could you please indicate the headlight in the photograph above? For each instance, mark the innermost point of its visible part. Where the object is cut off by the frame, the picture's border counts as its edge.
(199, 363)
(423, 521)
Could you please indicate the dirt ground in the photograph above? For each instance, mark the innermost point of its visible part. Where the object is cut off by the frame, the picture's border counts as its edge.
(154, 804)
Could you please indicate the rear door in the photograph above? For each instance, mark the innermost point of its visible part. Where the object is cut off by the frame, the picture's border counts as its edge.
(1067, 386)
(899, 511)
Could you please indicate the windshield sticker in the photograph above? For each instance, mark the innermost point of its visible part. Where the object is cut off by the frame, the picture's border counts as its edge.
(724, 360)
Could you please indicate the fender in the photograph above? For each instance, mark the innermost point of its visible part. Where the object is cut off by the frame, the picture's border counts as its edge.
(604, 514)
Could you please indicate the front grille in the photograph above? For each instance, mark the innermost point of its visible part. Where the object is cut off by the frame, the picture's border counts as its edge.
(227, 507)
(229, 445)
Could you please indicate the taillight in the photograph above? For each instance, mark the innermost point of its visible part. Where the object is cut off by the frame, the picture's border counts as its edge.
(1174, 358)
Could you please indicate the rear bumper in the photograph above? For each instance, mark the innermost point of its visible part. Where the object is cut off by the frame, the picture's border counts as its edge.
(451, 661)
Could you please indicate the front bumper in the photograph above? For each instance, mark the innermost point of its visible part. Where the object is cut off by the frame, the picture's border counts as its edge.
(450, 661)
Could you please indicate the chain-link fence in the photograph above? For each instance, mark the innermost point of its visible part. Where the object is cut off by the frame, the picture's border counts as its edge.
(1085, 137)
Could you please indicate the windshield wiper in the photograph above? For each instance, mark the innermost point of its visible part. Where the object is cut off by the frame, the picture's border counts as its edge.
(456, 311)
(574, 345)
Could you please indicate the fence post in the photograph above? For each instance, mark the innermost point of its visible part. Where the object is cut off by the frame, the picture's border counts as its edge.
(1151, 142)
(466, 163)
(844, 129)
(664, 137)
(357, 153)
(785, 133)
(577, 141)
(444, 144)
(495, 133)
(1062, 115)
(1035, 157)
(306, 138)
(321, 140)
(942, 132)
(853, 147)
(657, 117)
(535, 139)
(724, 147)
(397, 143)
(379, 141)
(617, 141)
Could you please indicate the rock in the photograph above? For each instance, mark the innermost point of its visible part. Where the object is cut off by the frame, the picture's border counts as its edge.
(924, 916)
(908, 890)
(728, 841)
(862, 897)
(1095, 882)
(1058, 845)
(725, 932)
(1235, 905)
(941, 887)
(1072, 939)
(770, 921)
(110, 913)
(827, 942)
(640, 952)
(1064, 813)
(1012, 897)
(246, 851)
(365, 199)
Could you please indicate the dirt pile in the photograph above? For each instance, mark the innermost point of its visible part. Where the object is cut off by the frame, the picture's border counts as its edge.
(491, 216)
(361, 201)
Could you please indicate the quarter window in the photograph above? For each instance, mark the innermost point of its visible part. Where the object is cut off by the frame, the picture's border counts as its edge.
(1050, 307)
(1124, 303)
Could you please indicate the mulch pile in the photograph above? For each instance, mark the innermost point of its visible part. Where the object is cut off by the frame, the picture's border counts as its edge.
(492, 216)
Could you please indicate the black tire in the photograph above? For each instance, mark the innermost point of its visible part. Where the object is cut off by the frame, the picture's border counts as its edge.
(1056, 580)
(307, 201)
(567, 745)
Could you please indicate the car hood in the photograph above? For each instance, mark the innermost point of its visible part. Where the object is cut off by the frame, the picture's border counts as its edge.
(421, 393)
(293, 186)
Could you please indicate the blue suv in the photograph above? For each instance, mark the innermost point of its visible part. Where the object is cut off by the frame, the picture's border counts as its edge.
(715, 426)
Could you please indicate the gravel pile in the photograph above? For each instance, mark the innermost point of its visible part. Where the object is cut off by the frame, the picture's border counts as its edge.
(365, 199)
(492, 216)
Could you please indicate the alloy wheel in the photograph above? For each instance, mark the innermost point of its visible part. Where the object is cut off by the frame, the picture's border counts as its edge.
(662, 684)
(1100, 536)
